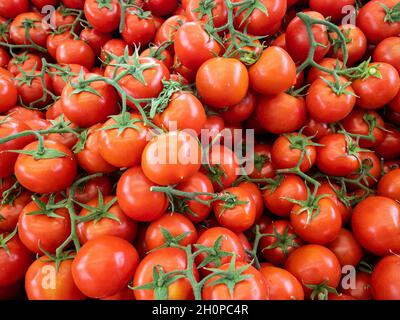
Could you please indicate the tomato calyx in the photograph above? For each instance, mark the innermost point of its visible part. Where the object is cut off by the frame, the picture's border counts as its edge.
(283, 240)
(229, 201)
(58, 257)
(123, 121)
(47, 206)
(392, 14)
(4, 239)
(4, 30)
(205, 9)
(321, 290)
(337, 87)
(250, 6)
(170, 240)
(364, 70)
(216, 173)
(366, 267)
(157, 50)
(83, 85)
(42, 152)
(273, 184)
(104, 4)
(214, 253)
(100, 211)
(260, 160)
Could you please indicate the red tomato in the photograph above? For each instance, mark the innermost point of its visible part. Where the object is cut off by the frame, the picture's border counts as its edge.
(12, 8)
(385, 280)
(34, 32)
(346, 248)
(389, 148)
(256, 195)
(95, 39)
(263, 168)
(362, 289)
(103, 266)
(388, 50)
(103, 17)
(8, 94)
(389, 185)
(139, 27)
(219, 12)
(90, 189)
(242, 110)
(33, 93)
(24, 61)
(161, 7)
(116, 47)
(61, 78)
(76, 52)
(331, 8)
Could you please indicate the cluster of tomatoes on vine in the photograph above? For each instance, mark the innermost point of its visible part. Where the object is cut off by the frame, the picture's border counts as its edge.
(92, 92)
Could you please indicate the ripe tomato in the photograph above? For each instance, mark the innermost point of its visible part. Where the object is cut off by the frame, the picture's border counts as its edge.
(385, 281)
(4, 58)
(237, 214)
(389, 185)
(24, 61)
(242, 110)
(273, 60)
(329, 63)
(193, 45)
(375, 224)
(75, 51)
(111, 222)
(116, 47)
(326, 104)
(314, 265)
(331, 8)
(379, 88)
(103, 17)
(219, 12)
(136, 199)
(362, 289)
(388, 50)
(34, 32)
(389, 148)
(139, 27)
(14, 260)
(103, 266)
(90, 189)
(171, 158)
(8, 94)
(167, 260)
(168, 29)
(161, 7)
(280, 242)
(95, 39)
(176, 224)
(9, 212)
(256, 195)
(63, 287)
(30, 172)
(263, 168)
(281, 113)
(60, 78)
(338, 155)
(222, 75)
(253, 287)
(346, 248)
(34, 92)
(281, 284)
(12, 8)
(287, 186)
(298, 42)
(74, 4)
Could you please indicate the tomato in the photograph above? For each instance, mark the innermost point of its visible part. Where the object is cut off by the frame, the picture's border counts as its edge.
(237, 214)
(35, 32)
(116, 47)
(260, 23)
(15, 259)
(194, 210)
(297, 40)
(8, 94)
(371, 165)
(222, 75)
(90, 189)
(24, 61)
(273, 60)
(253, 287)
(389, 185)
(287, 186)
(263, 168)
(161, 7)
(375, 224)
(176, 224)
(12, 8)
(222, 167)
(139, 27)
(362, 290)
(281, 284)
(162, 55)
(41, 3)
(338, 155)
(8, 127)
(329, 63)
(286, 152)
(63, 287)
(395, 106)
(193, 45)
(74, 4)
(281, 113)
(167, 260)
(168, 29)
(136, 199)
(389, 148)
(4, 58)
(331, 8)
(324, 104)
(60, 78)
(388, 50)
(111, 222)
(95, 39)
(30, 172)
(103, 17)
(346, 248)
(195, 11)
(242, 110)
(313, 264)
(385, 282)
(230, 242)
(184, 111)
(280, 242)
(124, 294)
(256, 195)
(376, 23)
(75, 52)
(379, 88)
(171, 158)
(103, 266)
(34, 92)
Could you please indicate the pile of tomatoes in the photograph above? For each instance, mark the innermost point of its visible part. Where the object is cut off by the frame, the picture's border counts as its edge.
(122, 133)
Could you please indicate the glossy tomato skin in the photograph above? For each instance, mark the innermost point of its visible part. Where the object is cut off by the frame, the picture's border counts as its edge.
(362, 290)
(138, 30)
(242, 110)
(263, 79)
(8, 159)
(8, 94)
(123, 228)
(169, 259)
(59, 82)
(385, 281)
(33, 93)
(252, 288)
(104, 19)
(255, 193)
(77, 52)
(330, 8)
(281, 284)
(37, 32)
(389, 185)
(95, 39)
(176, 224)
(346, 248)
(314, 264)
(388, 51)
(389, 148)
(64, 287)
(171, 158)
(168, 29)
(12, 8)
(161, 7)
(15, 264)
(375, 224)
(136, 199)
(281, 113)
(90, 189)
(103, 266)
(30, 172)
(41, 231)
(222, 75)
(263, 167)
(332, 156)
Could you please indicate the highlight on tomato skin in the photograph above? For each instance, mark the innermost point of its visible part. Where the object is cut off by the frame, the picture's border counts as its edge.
(199, 150)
